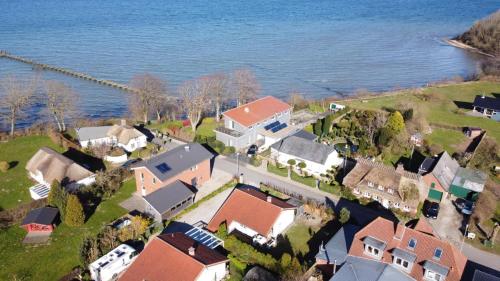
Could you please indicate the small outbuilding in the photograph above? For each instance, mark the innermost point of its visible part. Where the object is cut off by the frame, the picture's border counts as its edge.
(40, 220)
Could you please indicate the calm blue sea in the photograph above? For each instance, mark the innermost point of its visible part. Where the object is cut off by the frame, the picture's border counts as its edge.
(317, 47)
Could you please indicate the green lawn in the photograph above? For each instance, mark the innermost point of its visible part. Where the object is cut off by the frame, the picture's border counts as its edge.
(442, 110)
(15, 183)
(333, 189)
(298, 235)
(448, 139)
(310, 181)
(51, 262)
(207, 126)
(278, 171)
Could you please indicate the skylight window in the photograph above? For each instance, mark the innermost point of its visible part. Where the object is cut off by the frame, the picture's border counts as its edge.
(412, 243)
(438, 253)
(163, 168)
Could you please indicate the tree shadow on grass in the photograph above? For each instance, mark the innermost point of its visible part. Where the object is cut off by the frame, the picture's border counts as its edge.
(13, 164)
(322, 236)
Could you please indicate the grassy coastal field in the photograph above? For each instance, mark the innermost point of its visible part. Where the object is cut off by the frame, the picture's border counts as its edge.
(60, 256)
(441, 105)
(15, 182)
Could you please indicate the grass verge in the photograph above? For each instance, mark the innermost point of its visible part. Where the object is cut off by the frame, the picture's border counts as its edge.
(277, 171)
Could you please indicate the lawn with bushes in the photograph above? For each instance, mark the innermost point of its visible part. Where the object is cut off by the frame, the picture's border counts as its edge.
(61, 255)
(440, 104)
(309, 181)
(15, 182)
(277, 171)
(448, 139)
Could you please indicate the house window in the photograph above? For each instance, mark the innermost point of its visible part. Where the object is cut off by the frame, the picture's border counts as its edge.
(231, 124)
(380, 187)
(396, 205)
(390, 190)
(438, 253)
(370, 184)
(431, 275)
(154, 180)
(406, 208)
(356, 191)
(402, 263)
(194, 168)
(412, 243)
(372, 251)
(366, 194)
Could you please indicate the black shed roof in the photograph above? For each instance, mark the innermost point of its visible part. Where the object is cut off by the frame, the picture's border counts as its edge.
(487, 102)
(44, 216)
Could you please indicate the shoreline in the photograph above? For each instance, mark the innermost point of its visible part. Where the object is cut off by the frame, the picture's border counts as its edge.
(461, 45)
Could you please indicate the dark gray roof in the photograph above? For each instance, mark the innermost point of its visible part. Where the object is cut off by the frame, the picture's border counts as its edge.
(445, 169)
(374, 242)
(487, 102)
(44, 215)
(168, 196)
(304, 149)
(361, 269)
(338, 247)
(435, 267)
(305, 135)
(92, 133)
(483, 276)
(407, 256)
(175, 161)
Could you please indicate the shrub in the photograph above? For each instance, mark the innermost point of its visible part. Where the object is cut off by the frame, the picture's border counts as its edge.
(318, 127)
(344, 215)
(4, 166)
(229, 150)
(395, 122)
(302, 165)
(89, 251)
(248, 254)
(255, 161)
(74, 215)
(291, 162)
(137, 227)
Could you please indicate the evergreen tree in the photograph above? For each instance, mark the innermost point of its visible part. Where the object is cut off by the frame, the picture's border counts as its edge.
(74, 215)
(395, 122)
(318, 127)
(327, 124)
(57, 197)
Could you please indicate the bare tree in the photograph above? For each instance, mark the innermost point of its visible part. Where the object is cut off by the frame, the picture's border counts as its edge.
(194, 94)
(296, 98)
(245, 85)
(16, 98)
(61, 101)
(149, 89)
(159, 105)
(218, 91)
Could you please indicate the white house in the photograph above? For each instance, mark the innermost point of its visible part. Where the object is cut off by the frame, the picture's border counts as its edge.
(318, 157)
(47, 166)
(255, 214)
(336, 107)
(176, 256)
(109, 266)
(258, 122)
(124, 136)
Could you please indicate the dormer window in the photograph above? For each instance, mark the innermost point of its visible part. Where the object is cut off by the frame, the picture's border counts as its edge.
(380, 187)
(390, 190)
(412, 243)
(370, 184)
(402, 263)
(374, 247)
(438, 253)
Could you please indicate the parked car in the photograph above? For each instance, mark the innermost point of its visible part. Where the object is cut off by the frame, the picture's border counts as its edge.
(431, 209)
(466, 207)
(252, 150)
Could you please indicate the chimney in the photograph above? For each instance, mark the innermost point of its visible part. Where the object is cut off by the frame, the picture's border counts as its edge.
(123, 122)
(247, 109)
(186, 148)
(400, 168)
(191, 251)
(269, 198)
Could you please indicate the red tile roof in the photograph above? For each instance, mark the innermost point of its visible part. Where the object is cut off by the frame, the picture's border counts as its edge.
(257, 111)
(398, 236)
(249, 207)
(167, 257)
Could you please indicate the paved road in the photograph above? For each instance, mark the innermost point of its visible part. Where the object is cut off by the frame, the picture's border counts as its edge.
(254, 176)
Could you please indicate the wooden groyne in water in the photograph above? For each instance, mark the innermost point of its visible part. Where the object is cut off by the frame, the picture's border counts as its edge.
(69, 72)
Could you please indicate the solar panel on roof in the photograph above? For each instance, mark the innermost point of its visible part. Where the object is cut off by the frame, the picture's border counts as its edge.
(204, 237)
(272, 125)
(163, 168)
(279, 127)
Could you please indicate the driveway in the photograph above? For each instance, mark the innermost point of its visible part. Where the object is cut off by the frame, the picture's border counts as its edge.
(448, 226)
(205, 211)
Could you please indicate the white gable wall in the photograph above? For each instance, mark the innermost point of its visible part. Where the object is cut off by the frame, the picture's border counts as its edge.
(213, 273)
(285, 219)
(313, 168)
(134, 143)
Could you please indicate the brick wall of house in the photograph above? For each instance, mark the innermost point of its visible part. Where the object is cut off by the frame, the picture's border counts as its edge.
(199, 175)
